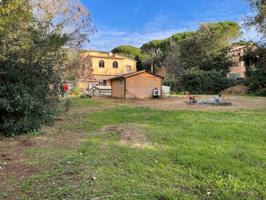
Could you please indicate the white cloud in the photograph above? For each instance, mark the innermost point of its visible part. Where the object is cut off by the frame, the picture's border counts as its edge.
(161, 27)
(107, 38)
(251, 34)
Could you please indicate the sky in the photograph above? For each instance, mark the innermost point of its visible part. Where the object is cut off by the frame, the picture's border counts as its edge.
(135, 22)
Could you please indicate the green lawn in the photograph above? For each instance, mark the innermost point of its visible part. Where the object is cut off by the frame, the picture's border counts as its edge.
(138, 153)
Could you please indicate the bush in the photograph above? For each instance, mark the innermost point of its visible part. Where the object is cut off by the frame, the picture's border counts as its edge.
(172, 82)
(204, 82)
(76, 91)
(32, 54)
(26, 101)
(257, 82)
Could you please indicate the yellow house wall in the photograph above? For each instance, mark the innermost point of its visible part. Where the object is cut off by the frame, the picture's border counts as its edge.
(108, 71)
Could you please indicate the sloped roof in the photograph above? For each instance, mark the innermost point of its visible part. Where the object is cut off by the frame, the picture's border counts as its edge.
(101, 87)
(134, 74)
(107, 54)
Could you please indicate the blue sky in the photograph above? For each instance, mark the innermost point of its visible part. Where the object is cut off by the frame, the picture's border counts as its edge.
(134, 22)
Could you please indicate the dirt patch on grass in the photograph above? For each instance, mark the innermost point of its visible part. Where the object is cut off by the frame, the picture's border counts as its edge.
(130, 135)
(126, 132)
(16, 164)
(65, 139)
(27, 143)
(13, 162)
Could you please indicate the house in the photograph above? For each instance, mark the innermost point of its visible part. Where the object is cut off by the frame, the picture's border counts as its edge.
(99, 67)
(100, 91)
(136, 85)
(238, 70)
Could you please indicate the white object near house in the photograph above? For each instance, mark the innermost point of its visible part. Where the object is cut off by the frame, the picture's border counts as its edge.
(166, 90)
(100, 91)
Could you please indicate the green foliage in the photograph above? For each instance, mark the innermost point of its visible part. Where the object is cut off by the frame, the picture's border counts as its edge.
(152, 46)
(67, 105)
(171, 80)
(180, 36)
(207, 49)
(15, 15)
(129, 51)
(158, 50)
(255, 60)
(222, 32)
(26, 101)
(134, 53)
(151, 153)
(203, 82)
(163, 46)
(31, 51)
(76, 91)
(70, 77)
(258, 20)
(257, 82)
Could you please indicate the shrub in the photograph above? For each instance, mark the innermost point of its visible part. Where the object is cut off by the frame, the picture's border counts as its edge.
(257, 82)
(172, 82)
(32, 54)
(203, 82)
(26, 100)
(76, 91)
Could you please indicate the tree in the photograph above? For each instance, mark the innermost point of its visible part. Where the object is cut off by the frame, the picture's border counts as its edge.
(129, 51)
(32, 37)
(203, 82)
(158, 50)
(139, 63)
(207, 49)
(255, 58)
(132, 52)
(258, 20)
(65, 16)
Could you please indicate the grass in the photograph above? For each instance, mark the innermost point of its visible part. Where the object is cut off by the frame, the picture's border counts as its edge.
(181, 155)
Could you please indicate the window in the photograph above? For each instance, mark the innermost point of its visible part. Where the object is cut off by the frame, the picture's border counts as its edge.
(101, 64)
(115, 64)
